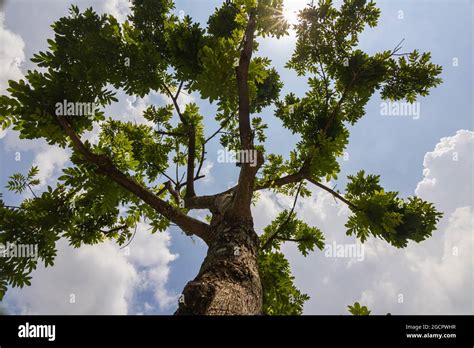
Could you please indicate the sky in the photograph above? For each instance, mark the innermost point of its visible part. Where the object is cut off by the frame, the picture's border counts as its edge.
(430, 155)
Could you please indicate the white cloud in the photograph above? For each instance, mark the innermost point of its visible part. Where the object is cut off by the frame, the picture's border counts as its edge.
(50, 161)
(432, 277)
(120, 9)
(448, 179)
(450, 276)
(184, 98)
(102, 278)
(99, 277)
(152, 255)
(206, 170)
(11, 55)
(135, 107)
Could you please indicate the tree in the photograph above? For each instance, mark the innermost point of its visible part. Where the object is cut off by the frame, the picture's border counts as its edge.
(92, 56)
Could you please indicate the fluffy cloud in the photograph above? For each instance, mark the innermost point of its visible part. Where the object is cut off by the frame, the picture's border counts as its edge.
(206, 170)
(101, 279)
(50, 161)
(448, 179)
(96, 279)
(448, 281)
(11, 55)
(151, 255)
(120, 9)
(433, 277)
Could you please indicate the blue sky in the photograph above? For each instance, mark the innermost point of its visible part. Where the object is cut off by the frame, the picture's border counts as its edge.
(394, 147)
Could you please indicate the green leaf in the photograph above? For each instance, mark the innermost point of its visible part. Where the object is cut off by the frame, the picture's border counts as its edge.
(357, 309)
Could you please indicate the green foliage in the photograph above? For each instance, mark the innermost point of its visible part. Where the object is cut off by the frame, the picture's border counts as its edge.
(280, 296)
(38, 221)
(81, 61)
(150, 19)
(385, 215)
(291, 229)
(19, 183)
(135, 147)
(267, 90)
(185, 41)
(270, 18)
(357, 309)
(412, 76)
(342, 79)
(222, 22)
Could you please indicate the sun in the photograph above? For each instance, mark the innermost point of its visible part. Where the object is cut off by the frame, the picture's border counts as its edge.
(291, 9)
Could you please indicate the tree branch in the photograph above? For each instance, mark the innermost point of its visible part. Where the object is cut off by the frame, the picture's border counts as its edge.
(334, 193)
(179, 186)
(245, 130)
(293, 239)
(338, 106)
(176, 105)
(115, 229)
(191, 132)
(201, 202)
(173, 192)
(298, 177)
(284, 180)
(179, 90)
(31, 190)
(243, 195)
(105, 166)
(290, 216)
(167, 177)
(220, 128)
(171, 134)
(190, 165)
(201, 160)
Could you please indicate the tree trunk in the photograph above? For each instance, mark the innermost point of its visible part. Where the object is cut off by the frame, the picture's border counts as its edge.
(228, 282)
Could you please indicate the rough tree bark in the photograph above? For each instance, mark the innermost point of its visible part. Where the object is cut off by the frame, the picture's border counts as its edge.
(228, 282)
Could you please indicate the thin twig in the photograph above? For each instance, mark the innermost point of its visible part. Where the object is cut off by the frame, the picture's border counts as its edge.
(31, 190)
(131, 239)
(334, 193)
(290, 215)
(223, 125)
